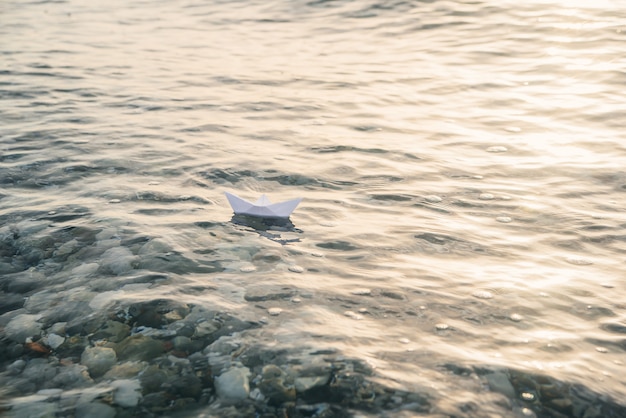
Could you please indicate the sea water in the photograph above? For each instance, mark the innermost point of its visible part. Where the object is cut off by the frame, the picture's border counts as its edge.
(459, 250)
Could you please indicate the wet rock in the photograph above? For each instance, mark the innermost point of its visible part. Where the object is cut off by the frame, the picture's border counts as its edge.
(117, 260)
(204, 329)
(83, 324)
(264, 293)
(183, 344)
(10, 302)
(112, 331)
(23, 326)
(54, 341)
(155, 402)
(24, 282)
(69, 310)
(157, 313)
(16, 367)
(152, 379)
(125, 370)
(73, 346)
(98, 360)
(127, 393)
(94, 410)
(306, 383)
(187, 385)
(40, 371)
(499, 382)
(70, 377)
(35, 410)
(85, 269)
(276, 386)
(139, 348)
(267, 256)
(233, 385)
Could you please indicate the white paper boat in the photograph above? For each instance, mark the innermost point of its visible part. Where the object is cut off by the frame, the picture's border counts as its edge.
(263, 207)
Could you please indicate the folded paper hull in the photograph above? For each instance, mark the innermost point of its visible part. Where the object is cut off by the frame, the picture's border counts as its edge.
(263, 207)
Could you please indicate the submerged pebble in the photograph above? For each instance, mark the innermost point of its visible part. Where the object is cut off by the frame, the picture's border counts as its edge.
(274, 311)
(483, 294)
(504, 219)
(23, 326)
(578, 261)
(233, 385)
(296, 269)
(433, 199)
(127, 392)
(98, 360)
(353, 315)
(497, 148)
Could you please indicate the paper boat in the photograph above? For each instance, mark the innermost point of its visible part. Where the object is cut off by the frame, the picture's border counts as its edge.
(263, 207)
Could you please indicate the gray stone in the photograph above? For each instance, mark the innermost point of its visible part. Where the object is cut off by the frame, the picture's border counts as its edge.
(16, 367)
(98, 360)
(127, 393)
(233, 385)
(34, 410)
(71, 377)
(264, 293)
(139, 347)
(499, 382)
(94, 410)
(54, 341)
(118, 260)
(303, 384)
(23, 326)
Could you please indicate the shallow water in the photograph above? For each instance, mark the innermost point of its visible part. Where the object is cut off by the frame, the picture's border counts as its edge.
(461, 164)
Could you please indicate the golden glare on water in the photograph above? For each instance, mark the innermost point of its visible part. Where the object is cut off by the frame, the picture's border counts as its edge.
(459, 243)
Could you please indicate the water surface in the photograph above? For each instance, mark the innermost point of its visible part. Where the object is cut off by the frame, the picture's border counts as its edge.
(461, 164)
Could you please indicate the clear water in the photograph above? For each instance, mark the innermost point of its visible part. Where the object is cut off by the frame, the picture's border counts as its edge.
(461, 164)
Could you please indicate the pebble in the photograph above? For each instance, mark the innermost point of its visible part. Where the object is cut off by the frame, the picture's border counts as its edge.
(579, 261)
(296, 300)
(94, 410)
(602, 350)
(441, 327)
(527, 396)
(274, 311)
(127, 393)
(114, 201)
(404, 340)
(497, 148)
(433, 199)
(118, 260)
(23, 326)
(98, 360)
(483, 294)
(233, 385)
(362, 292)
(296, 269)
(247, 269)
(16, 367)
(54, 341)
(486, 196)
(504, 219)
(353, 315)
(499, 382)
(303, 384)
(516, 317)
